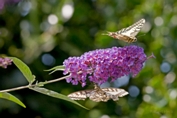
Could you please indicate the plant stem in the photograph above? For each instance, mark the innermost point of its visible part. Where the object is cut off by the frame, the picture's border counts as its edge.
(14, 89)
(54, 80)
(33, 85)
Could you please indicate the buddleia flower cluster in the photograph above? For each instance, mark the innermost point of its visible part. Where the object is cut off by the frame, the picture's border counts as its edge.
(4, 62)
(102, 64)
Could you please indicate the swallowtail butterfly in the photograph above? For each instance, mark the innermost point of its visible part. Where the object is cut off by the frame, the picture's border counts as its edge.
(99, 94)
(128, 34)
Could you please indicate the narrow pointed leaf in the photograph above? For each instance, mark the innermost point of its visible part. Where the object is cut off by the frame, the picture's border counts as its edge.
(12, 98)
(56, 68)
(56, 95)
(24, 69)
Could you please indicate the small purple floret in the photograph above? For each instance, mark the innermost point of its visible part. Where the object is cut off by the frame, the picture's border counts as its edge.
(7, 2)
(4, 62)
(103, 64)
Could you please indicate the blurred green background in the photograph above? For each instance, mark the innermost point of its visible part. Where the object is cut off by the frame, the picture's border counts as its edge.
(44, 33)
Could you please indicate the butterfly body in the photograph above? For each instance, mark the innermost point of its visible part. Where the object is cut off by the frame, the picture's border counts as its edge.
(99, 94)
(128, 34)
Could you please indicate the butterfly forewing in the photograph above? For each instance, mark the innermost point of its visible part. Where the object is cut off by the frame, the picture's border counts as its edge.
(115, 91)
(132, 30)
(80, 95)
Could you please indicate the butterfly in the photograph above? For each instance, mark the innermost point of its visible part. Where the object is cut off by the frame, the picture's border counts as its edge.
(99, 94)
(128, 34)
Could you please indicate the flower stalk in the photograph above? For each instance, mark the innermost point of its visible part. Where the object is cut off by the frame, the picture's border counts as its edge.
(34, 85)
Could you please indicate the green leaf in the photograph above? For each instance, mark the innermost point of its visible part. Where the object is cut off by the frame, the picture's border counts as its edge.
(56, 95)
(56, 68)
(12, 98)
(24, 69)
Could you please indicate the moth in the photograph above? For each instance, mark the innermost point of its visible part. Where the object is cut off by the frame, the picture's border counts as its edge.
(128, 34)
(99, 94)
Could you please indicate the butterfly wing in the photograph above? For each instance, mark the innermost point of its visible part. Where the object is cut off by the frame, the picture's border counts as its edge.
(132, 30)
(80, 95)
(115, 93)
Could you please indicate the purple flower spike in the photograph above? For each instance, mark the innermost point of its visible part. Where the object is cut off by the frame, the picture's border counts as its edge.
(4, 62)
(100, 65)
